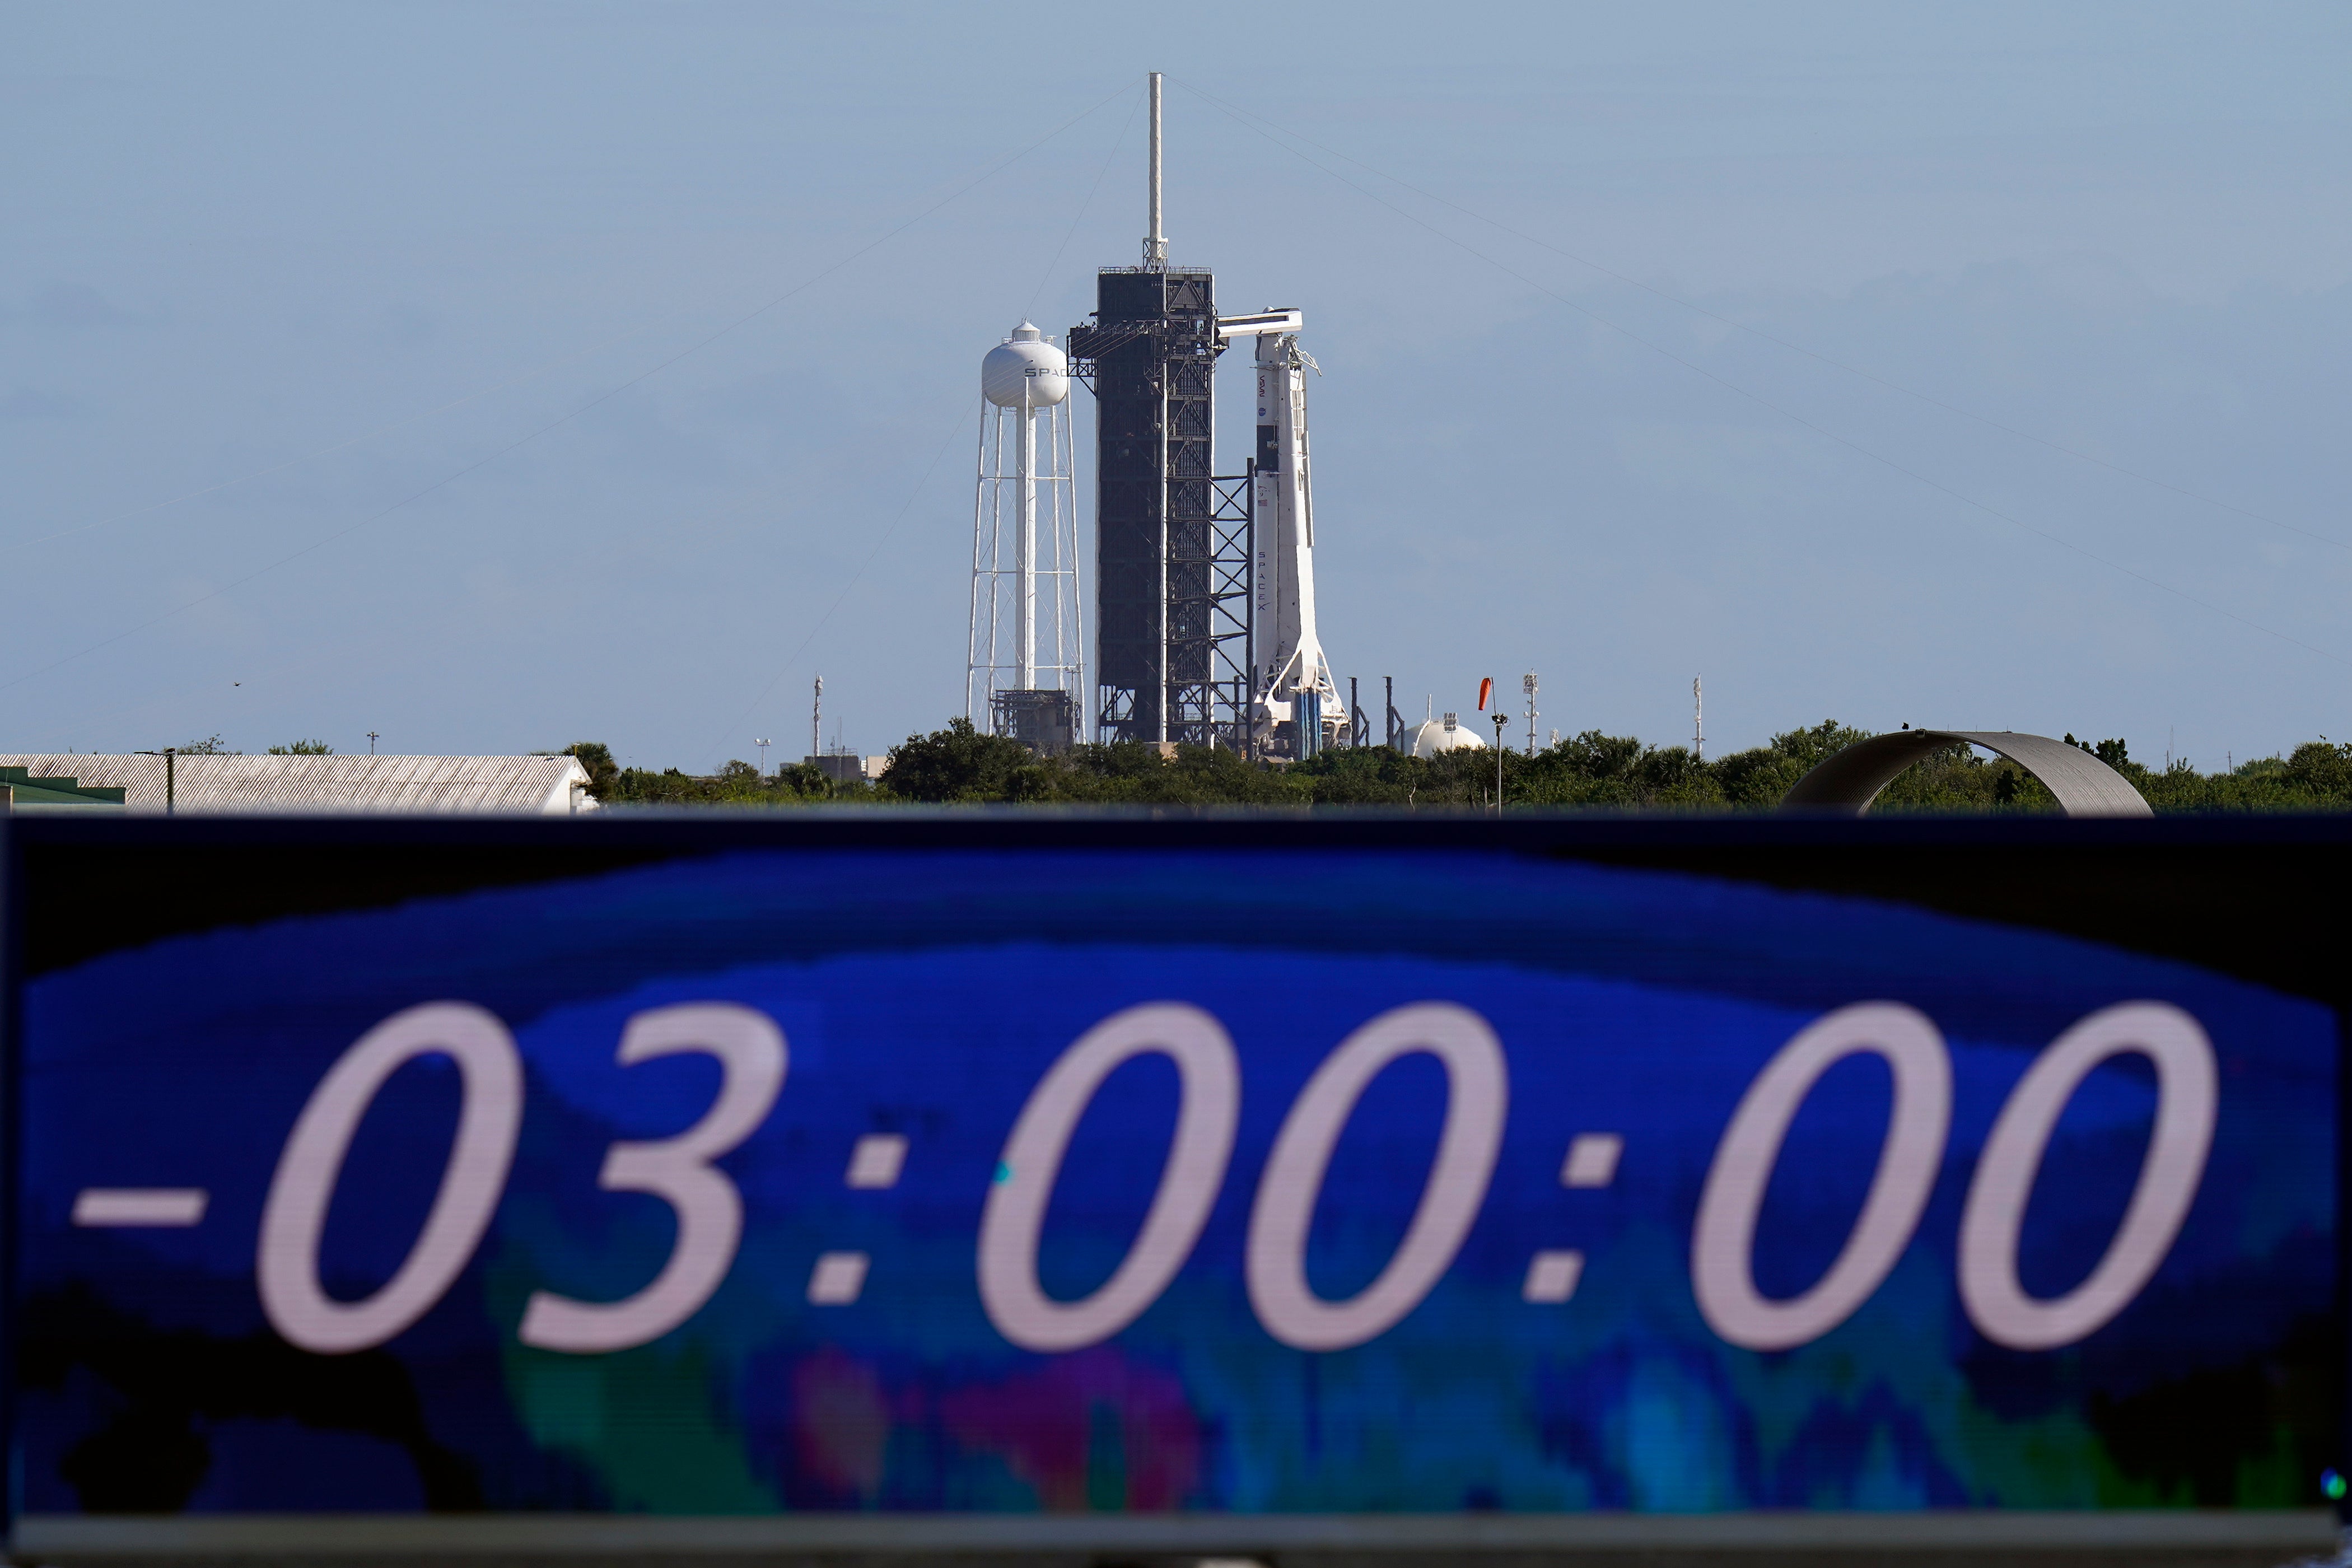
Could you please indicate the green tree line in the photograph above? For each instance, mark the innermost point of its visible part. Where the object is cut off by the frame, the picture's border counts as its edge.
(959, 765)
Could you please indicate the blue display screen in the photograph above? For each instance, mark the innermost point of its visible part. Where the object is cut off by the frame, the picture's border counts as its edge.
(1334, 1181)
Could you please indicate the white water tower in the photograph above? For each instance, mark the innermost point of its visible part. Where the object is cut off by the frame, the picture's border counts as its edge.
(1024, 674)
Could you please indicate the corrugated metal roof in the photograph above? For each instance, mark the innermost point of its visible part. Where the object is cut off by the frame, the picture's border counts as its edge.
(550, 785)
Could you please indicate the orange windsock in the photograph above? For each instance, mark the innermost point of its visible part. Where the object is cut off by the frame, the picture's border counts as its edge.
(1485, 690)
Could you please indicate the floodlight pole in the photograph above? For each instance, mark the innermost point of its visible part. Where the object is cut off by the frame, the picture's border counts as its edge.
(1502, 722)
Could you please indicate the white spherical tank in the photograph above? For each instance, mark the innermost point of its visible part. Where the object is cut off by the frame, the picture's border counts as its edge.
(1025, 364)
(1434, 736)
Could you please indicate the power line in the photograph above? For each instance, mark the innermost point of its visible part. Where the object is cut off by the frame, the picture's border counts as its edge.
(1084, 207)
(517, 380)
(1028, 314)
(329, 450)
(749, 316)
(1262, 124)
(415, 630)
(1763, 402)
(838, 599)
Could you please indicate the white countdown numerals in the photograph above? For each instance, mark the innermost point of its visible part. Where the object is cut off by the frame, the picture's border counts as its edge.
(296, 1210)
(1477, 1095)
(677, 1170)
(1014, 1216)
(751, 1055)
(1723, 1241)
(2168, 1175)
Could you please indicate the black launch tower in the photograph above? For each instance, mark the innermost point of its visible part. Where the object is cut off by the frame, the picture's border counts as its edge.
(1172, 549)
(1173, 654)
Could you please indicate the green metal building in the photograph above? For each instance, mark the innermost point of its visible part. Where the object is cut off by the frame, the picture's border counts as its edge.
(21, 791)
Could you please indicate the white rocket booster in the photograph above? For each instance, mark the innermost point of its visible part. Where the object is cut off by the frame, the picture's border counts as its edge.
(1293, 680)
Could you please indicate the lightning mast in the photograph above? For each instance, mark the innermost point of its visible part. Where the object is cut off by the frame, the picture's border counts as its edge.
(1172, 557)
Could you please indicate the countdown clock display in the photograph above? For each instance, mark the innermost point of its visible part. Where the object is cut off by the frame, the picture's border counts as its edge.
(1194, 1180)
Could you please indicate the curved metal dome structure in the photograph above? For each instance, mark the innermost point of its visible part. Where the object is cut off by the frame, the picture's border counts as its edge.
(1846, 784)
(1433, 736)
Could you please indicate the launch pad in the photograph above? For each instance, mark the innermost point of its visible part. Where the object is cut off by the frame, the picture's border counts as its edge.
(1204, 582)
(1204, 586)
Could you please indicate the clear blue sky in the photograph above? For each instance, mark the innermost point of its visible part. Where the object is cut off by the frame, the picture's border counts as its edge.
(488, 311)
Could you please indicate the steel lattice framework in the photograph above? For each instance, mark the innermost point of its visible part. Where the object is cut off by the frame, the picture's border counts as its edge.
(1173, 537)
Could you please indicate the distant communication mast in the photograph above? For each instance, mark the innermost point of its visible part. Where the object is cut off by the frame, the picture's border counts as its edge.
(1023, 677)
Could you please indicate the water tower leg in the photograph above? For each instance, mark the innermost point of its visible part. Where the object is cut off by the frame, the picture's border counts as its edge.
(1024, 565)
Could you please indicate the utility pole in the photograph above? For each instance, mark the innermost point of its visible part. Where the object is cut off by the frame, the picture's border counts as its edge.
(371, 743)
(170, 788)
(1502, 722)
(1527, 685)
(1155, 259)
(816, 721)
(1698, 725)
